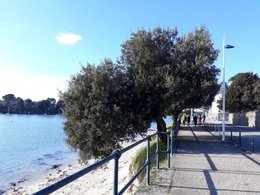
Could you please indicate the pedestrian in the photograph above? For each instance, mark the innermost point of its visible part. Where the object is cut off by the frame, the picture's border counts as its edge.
(204, 117)
(184, 119)
(195, 118)
(200, 118)
(188, 120)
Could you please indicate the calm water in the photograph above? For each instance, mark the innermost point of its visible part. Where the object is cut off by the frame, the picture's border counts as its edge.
(30, 145)
(166, 119)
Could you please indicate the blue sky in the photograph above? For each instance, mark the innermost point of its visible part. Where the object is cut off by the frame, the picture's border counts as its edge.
(44, 42)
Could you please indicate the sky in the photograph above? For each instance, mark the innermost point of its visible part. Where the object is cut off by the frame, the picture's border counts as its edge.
(44, 42)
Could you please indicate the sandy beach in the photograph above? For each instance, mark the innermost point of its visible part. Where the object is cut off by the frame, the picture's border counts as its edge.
(99, 181)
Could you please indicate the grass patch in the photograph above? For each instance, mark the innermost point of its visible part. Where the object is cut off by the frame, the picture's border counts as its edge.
(169, 126)
(140, 157)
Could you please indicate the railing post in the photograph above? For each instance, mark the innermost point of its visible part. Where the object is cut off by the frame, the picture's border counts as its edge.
(231, 134)
(157, 151)
(117, 156)
(239, 137)
(172, 136)
(253, 144)
(177, 129)
(168, 149)
(148, 160)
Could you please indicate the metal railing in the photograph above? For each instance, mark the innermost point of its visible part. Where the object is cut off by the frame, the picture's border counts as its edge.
(248, 142)
(116, 156)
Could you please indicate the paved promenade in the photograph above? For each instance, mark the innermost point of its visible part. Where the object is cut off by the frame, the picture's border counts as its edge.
(203, 164)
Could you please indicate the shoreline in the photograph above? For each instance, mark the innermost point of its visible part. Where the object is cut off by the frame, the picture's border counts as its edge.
(37, 169)
(98, 181)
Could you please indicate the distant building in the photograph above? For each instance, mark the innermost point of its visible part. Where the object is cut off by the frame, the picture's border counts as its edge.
(214, 112)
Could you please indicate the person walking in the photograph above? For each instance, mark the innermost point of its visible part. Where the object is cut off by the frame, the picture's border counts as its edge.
(188, 120)
(184, 119)
(200, 119)
(195, 119)
(203, 119)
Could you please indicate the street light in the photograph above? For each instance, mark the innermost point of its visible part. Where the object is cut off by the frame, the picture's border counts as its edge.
(224, 89)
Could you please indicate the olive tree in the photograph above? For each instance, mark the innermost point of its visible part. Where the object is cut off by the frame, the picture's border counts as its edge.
(158, 73)
(193, 75)
(171, 72)
(100, 110)
(148, 55)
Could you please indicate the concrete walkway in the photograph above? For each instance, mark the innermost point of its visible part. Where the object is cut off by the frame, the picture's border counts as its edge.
(203, 164)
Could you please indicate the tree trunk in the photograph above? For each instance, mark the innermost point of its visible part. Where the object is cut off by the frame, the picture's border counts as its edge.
(161, 126)
(175, 118)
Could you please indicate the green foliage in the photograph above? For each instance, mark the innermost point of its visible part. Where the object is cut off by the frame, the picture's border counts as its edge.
(243, 93)
(101, 110)
(13, 105)
(9, 97)
(158, 73)
(193, 77)
(256, 94)
(147, 55)
(140, 158)
(171, 70)
(19, 107)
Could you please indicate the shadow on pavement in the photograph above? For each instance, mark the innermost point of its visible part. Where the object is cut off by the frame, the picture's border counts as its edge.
(203, 164)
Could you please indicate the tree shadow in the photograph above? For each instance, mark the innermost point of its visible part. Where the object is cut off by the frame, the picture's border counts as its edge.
(202, 144)
(211, 186)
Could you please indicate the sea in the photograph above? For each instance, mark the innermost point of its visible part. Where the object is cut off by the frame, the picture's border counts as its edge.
(30, 145)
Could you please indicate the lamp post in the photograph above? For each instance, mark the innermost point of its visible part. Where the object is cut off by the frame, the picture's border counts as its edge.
(224, 89)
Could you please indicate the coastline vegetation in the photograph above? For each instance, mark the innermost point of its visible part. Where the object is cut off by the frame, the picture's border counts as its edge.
(16, 105)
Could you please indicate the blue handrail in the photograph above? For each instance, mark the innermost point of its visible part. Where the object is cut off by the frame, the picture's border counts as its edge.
(116, 155)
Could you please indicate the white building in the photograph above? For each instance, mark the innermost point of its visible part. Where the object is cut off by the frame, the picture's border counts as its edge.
(214, 112)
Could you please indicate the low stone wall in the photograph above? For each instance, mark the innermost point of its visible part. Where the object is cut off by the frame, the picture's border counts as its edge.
(257, 119)
(250, 119)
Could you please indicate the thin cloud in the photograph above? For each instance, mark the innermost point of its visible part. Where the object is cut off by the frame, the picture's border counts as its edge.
(68, 38)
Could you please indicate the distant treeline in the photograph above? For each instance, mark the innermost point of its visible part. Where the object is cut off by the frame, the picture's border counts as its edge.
(16, 105)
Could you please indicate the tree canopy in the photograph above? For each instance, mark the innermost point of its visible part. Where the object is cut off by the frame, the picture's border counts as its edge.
(158, 73)
(11, 104)
(101, 110)
(148, 55)
(243, 93)
(256, 93)
(193, 77)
